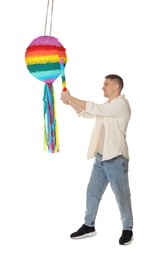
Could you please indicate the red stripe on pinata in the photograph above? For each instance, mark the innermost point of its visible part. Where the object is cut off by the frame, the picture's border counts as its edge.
(45, 47)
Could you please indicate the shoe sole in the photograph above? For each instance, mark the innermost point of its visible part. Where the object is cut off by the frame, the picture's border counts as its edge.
(127, 243)
(91, 234)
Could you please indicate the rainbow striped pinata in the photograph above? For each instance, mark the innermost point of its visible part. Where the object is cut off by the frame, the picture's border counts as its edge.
(46, 58)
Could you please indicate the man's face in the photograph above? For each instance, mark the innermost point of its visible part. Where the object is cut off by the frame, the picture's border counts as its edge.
(108, 88)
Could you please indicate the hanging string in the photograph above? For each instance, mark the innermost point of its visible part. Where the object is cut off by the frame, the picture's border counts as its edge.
(45, 27)
(51, 17)
(46, 20)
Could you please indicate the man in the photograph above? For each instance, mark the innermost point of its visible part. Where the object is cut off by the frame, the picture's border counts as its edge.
(109, 147)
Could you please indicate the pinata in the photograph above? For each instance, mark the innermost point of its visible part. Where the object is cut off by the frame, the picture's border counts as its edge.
(46, 58)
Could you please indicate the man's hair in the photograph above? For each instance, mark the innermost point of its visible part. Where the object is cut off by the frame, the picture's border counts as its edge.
(117, 78)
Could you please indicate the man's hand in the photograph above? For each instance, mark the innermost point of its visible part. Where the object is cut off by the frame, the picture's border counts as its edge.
(65, 95)
(65, 102)
(79, 105)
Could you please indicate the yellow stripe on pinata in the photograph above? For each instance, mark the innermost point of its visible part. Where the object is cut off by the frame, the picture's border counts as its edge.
(45, 138)
(64, 84)
(42, 59)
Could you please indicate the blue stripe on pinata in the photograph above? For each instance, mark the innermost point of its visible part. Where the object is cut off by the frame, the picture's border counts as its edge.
(44, 75)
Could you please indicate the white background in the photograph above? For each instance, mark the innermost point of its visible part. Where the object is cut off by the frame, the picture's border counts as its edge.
(42, 195)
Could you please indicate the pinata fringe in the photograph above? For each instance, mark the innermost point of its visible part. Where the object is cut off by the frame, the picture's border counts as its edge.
(51, 142)
(63, 74)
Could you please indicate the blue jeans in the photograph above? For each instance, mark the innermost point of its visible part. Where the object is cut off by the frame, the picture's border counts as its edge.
(115, 172)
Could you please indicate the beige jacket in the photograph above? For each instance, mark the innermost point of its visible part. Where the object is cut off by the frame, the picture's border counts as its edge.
(115, 116)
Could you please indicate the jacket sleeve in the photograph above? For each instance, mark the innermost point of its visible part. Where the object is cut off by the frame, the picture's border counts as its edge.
(115, 108)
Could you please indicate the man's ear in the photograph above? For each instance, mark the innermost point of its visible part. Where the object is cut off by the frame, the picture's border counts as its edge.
(116, 86)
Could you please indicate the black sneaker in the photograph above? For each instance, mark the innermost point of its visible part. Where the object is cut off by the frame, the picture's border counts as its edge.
(84, 231)
(126, 237)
